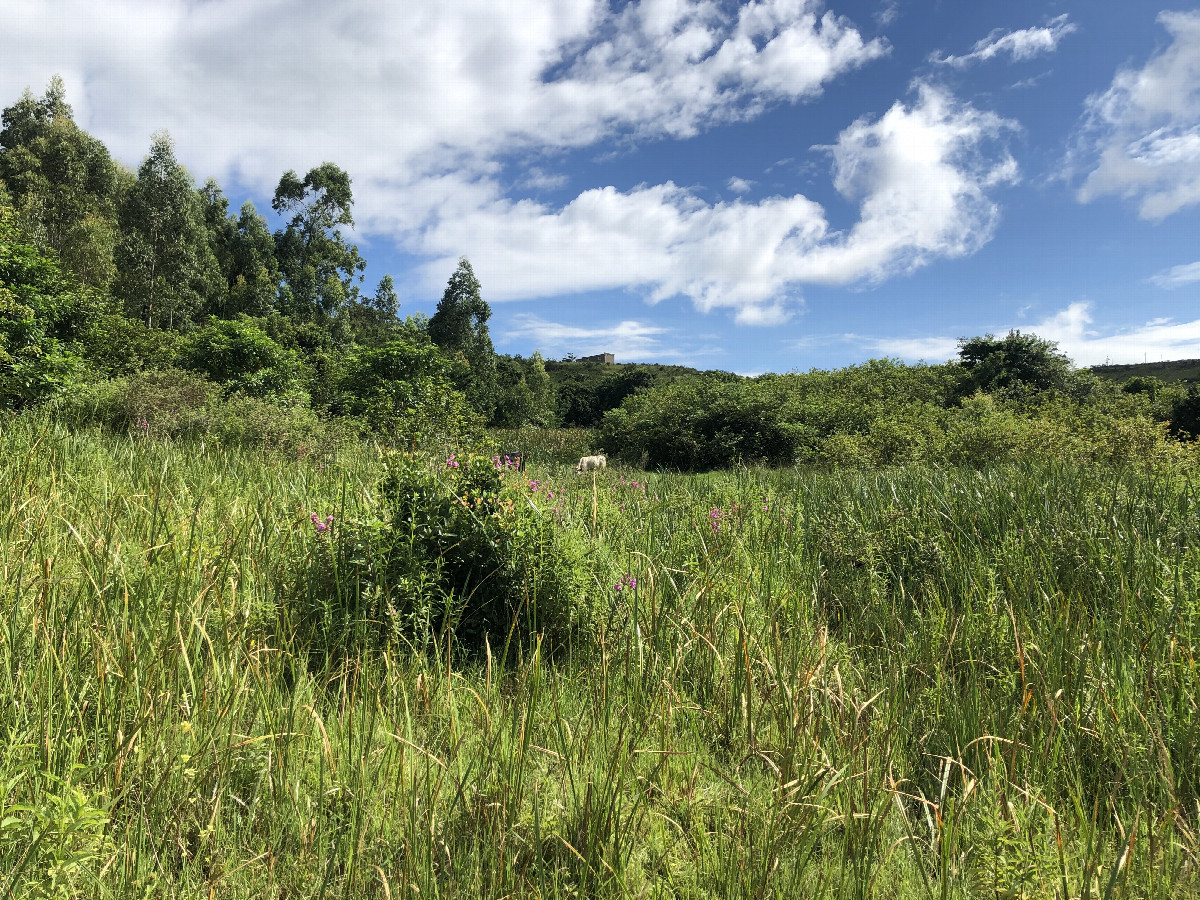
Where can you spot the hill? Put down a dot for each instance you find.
(1170, 371)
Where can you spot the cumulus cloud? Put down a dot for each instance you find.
(740, 185)
(1073, 329)
(1018, 45)
(1177, 276)
(397, 91)
(1141, 138)
(920, 175)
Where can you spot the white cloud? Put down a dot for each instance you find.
(887, 13)
(1018, 45)
(1177, 276)
(395, 92)
(1073, 329)
(920, 175)
(1141, 137)
(930, 349)
(740, 185)
(426, 103)
(537, 179)
(627, 340)
(1156, 339)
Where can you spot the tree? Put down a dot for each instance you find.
(220, 226)
(1185, 414)
(385, 302)
(1015, 361)
(524, 392)
(64, 185)
(253, 269)
(167, 269)
(459, 326)
(542, 390)
(320, 269)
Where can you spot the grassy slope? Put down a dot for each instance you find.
(1170, 371)
(903, 684)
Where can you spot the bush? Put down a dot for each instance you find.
(42, 311)
(699, 423)
(174, 403)
(1185, 414)
(170, 403)
(243, 358)
(458, 547)
(405, 393)
(1016, 360)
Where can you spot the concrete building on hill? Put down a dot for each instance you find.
(607, 358)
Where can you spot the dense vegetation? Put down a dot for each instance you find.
(283, 617)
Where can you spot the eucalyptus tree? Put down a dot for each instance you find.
(65, 187)
(254, 270)
(166, 268)
(385, 302)
(321, 271)
(245, 252)
(459, 326)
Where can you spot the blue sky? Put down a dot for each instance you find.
(761, 186)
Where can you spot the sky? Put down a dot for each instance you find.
(777, 185)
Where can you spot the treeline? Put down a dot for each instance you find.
(147, 279)
(1015, 396)
(140, 301)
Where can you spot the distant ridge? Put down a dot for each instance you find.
(1171, 370)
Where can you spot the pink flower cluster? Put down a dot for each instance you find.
(634, 484)
(536, 485)
(451, 462)
(714, 519)
(626, 581)
(506, 462)
(320, 526)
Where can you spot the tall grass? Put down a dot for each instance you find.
(907, 683)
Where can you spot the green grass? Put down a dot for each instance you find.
(909, 683)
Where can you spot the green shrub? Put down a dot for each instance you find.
(243, 358)
(168, 402)
(174, 403)
(115, 345)
(1185, 414)
(459, 546)
(700, 423)
(42, 311)
(1016, 360)
(405, 392)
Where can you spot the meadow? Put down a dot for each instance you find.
(898, 682)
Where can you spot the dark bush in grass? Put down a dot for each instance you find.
(459, 547)
(1185, 414)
